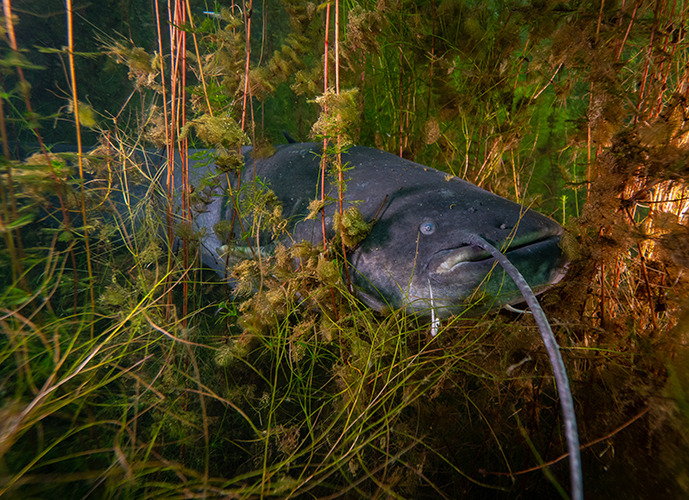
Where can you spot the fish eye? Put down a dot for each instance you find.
(427, 227)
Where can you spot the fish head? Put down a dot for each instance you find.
(418, 255)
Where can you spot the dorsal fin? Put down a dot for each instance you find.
(290, 139)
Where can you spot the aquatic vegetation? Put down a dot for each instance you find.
(127, 370)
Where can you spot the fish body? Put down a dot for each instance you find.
(417, 255)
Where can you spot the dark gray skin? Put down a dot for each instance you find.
(417, 255)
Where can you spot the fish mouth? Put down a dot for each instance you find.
(447, 262)
(469, 277)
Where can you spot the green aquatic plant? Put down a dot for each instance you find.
(171, 384)
(353, 229)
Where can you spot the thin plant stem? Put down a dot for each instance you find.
(198, 59)
(80, 159)
(325, 110)
(9, 211)
(340, 171)
(247, 23)
(168, 142)
(9, 26)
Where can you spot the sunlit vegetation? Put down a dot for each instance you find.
(129, 371)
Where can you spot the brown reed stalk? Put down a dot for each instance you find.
(170, 171)
(247, 23)
(9, 26)
(340, 168)
(198, 58)
(325, 110)
(179, 85)
(9, 212)
(80, 159)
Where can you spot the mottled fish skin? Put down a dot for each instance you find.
(417, 255)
